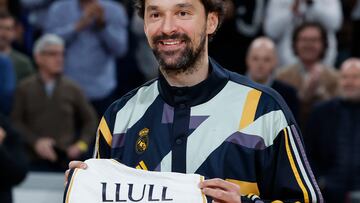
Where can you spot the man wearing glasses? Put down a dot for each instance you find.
(48, 107)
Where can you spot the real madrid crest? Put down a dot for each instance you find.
(142, 142)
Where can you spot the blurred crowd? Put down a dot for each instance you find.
(63, 62)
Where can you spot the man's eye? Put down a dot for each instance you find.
(183, 13)
(154, 15)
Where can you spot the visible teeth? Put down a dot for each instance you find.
(171, 43)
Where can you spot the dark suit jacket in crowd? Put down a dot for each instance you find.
(13, 161)
(289, 94)
(332, 138)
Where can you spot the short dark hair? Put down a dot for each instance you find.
(216, 6)
(6, 15)
(303, 26)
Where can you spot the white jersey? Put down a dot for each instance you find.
(106, 180)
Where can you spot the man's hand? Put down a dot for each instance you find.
(73, 165)
(2, 135)
(88, 17)
(44, 148)
(312, 82)
(221, 191)
(84, 22)
(99, 15)
(74, 152)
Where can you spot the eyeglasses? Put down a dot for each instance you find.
(52, 53)
(6, 28)
(309, 39)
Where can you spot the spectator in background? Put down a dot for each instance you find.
(284, 15)
(47, 108)
(13, 160)
(242, 24)
(333, 137)
(261, 63)
(313, 80)
(11, 6)
(22, 40)
(95, 33)
(22, 64)
(7, 84)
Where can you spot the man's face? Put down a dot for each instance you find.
(350, 81)
(7, 32)
(177, 32)
(309, 45)
(261, 62)
(51, 59)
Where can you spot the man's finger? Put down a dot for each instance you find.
(219, 183)
(49, 153)
(45, 153)
(67, 174)
(66, 177)
(73, 165)
(216, 193)
(77, 164)
(52, 154)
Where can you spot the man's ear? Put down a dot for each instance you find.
(145, 28)
(212, 22)
(37, 58)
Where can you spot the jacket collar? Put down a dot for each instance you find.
(197, 94)
(41, 81)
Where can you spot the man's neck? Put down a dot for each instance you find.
(264, 81)
(308, 65)
(260, 81)
(46, 77)
(189, 78)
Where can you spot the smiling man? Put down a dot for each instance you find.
(200, 118)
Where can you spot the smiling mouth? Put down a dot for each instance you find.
(170, 42)
(170, 45)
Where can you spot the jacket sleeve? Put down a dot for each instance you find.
(103, 140)
(105, 134)
(18, 115)
(109, 144)
(282, 170)
(286, 174)
(287, 177)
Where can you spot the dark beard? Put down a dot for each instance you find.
(186, 63)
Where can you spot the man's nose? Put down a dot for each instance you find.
(169, 26)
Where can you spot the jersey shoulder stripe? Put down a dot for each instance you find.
(270, 100)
